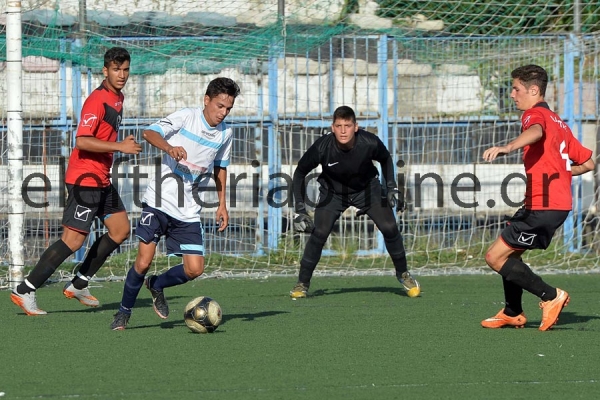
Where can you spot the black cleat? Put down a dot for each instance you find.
(159, 303)
(120, 321)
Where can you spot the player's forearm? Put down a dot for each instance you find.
(582, 168)
(95, 145)
(221, 185)
(156, 140)
(528, 137)
(298, 186)
(387, 170)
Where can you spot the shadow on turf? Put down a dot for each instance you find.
(377, 289)
(179, 322)
(567, 317)
(139, 303)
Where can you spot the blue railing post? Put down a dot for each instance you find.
(77, 105)
(382, 123)
(258, 152)
(274, 154)
(571, 52)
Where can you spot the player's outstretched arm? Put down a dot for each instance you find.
(156, 140)
(95, 145)
(527, 137)
(130, 146)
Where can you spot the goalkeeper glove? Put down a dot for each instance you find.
(302, 221)
(395, 199)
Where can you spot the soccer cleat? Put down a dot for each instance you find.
(500, 320)
(83, 295)
(120, 321)
(410, 284)
(159, 303)
(299, 291)
(552, 308)
(26, 302)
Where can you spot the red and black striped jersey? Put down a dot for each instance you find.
(100, 117)
(548, 161)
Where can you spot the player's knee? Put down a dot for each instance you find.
(492, 260)
(120, 235)
(318, 237)
(73, 243)
(389, 230)
(195, 272)
(142, 267)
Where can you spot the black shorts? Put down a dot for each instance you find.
(532, 229)
(369, 201)
(369, 197)
(84, 203)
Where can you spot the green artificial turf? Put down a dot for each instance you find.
(354, 338)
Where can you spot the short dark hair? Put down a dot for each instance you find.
(345, 113)
(532, 75)
(118, 55)
(222, 85)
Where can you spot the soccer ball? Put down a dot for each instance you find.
(202, 315)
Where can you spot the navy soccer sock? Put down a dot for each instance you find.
(173, 277)
(131, 289)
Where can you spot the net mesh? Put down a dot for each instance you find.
(445, 88)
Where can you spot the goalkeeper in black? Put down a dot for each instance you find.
(348, 178)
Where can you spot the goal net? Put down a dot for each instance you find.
(430, 78)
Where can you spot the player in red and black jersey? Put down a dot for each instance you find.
(90, 192)
(348, 178)
(552, 156)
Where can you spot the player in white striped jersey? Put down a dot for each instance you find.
(196, 143)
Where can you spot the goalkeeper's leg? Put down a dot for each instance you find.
(384, 218)
(325, 217)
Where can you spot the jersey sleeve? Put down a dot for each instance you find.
(171, 124)
(577, 152)
(309, 161)
(92, 114)
(224, 153)
(384, 158)
(531, 117)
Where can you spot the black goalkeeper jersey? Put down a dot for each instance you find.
(345, 171)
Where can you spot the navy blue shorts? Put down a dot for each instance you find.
(532, 229)
(180, 237)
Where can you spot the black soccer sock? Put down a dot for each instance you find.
(311, 257)
(94, 259)
(395, 248)
(45, 267)
(306, 272)
(512, 298)
(519, 273)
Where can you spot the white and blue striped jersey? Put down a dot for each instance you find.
(179, 190)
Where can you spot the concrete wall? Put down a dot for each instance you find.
(303, 87)
(256, 12)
